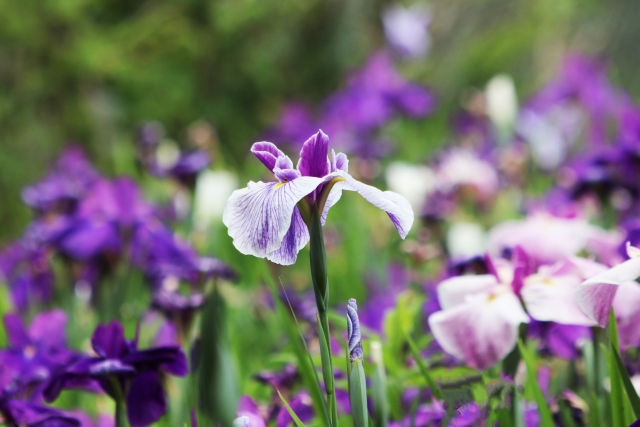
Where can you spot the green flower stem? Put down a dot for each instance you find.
(318, 263)
(121, 414)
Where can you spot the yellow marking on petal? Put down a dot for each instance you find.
(278, 185)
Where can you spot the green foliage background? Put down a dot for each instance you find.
(89, 71)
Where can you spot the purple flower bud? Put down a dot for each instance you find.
(353, 331)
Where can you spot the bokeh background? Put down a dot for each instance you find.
(90, 72)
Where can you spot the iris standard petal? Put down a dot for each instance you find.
(595, 295)
(259, 216)
(108, 340)
(454, 291)
(313, 156)
(146, 401)
(396, 206)
(482, 331)
(267, 153)
(552, 299)
(16, 333)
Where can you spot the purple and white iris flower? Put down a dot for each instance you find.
(264, 218)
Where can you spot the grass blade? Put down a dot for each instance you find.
(423, 369)
(620, 369)
(546, 420)
(290, 411)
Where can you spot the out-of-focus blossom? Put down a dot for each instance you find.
(597, 294)
(36, 353)
(301, 405)
(559, 340)
(66, 183)
(407, 29)
(248, 414)
(546, 238)
(281, 380)
(465, 240)
(479, 319)
(502, 103)
(119, 363)
(295, 124)
(213, 188)
(25, 267)
(263, 219)
(414, 182)
(382, 297)
(462, 168)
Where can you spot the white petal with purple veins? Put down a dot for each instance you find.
(595, 296)
(552, 299)
(259, 216)
(482, 331)
(627, 308)
(454, 291)
(296, 238)
(397, 207)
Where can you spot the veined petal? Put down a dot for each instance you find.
(259, 216)
(396, 206)
(313, 156)
(595, 295)
(296, 238)
(482, 331)
(454, 291)
(552, 299)
(267, 153)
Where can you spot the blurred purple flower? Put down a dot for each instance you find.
(248, 414)
(67, 182)
(263, 219)
(25, 267)
(301, 405)
(283, 379)
(559, 340)
(119, 363)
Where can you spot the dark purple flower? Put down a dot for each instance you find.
(295, 124)
(37, 353)
(248, 414)
(283, 379)
(25, 267)
(119, 363)
(186, 168)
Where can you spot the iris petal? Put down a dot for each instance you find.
(258, 217)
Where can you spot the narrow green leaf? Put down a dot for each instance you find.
(546, 420)
(290, 411)
(325, 357)
(305, 364)
(318, 389)
(423, 369)
(358, 395)
(620, 369)
(379, 386)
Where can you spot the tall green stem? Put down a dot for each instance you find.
(318, 262)
(121, 414)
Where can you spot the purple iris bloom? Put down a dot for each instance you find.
(186, 168)
(25, 267)
(36, 353)
(119, 363)
(353, 331)
(281, 380)
(294, 124)
(66, 183)
(264, 220)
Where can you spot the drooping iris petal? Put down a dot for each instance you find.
(453, 291)
(338, 162)
(626, 304)
(146, 401)
(259, 216)
(482, 331)
(313, 156)
(397, 207)
(296, 238)
(595, 296)
(108, 340)
(552, 299)
(267, 153)
(171, 358)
